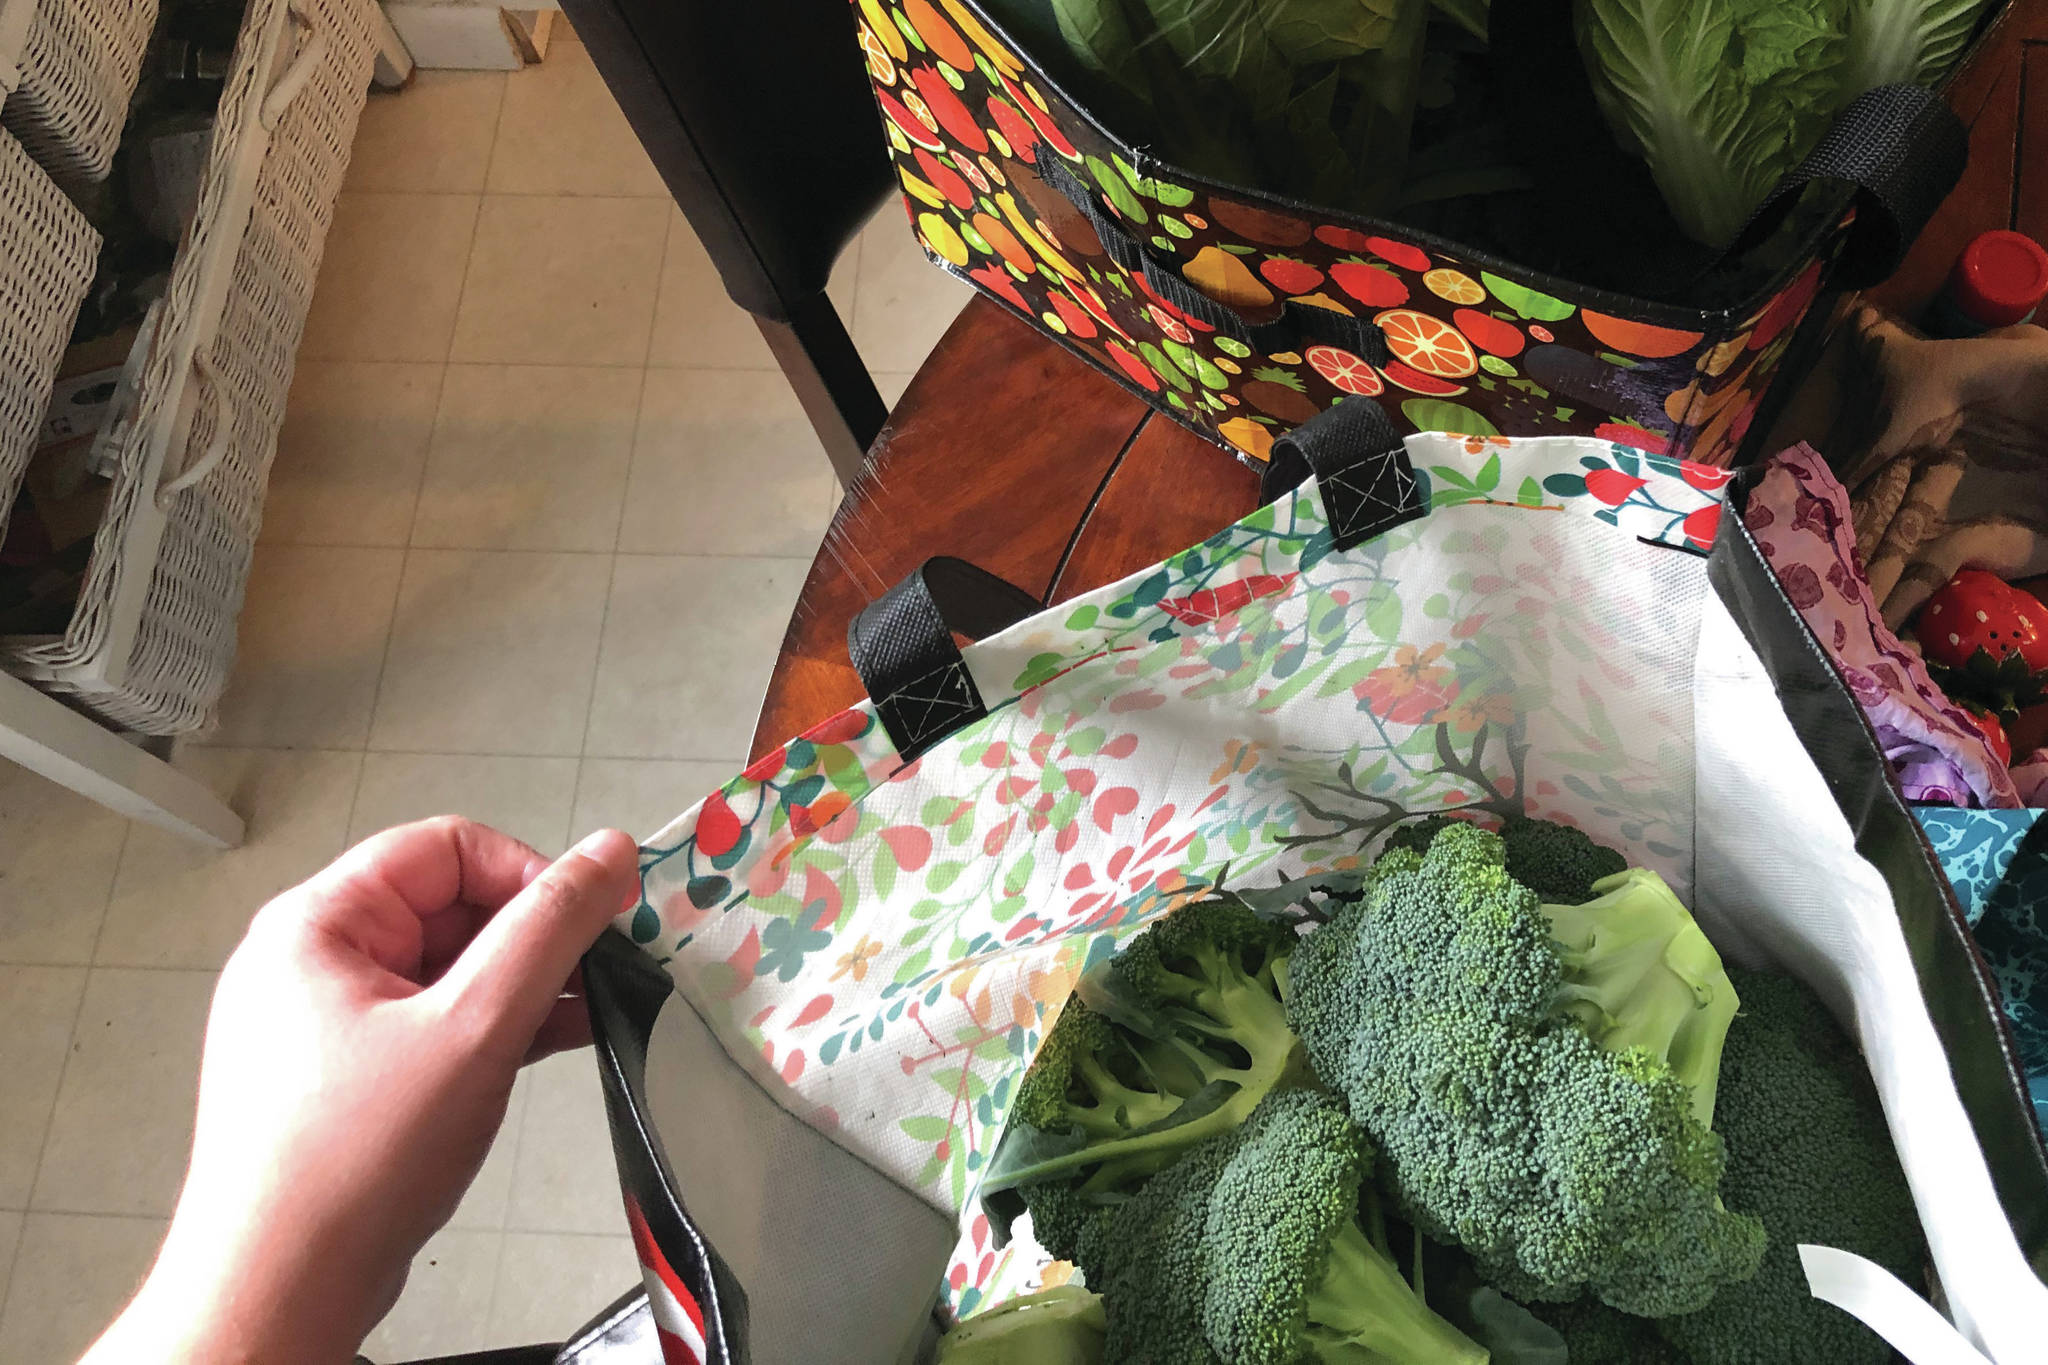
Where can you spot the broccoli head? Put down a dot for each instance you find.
(1249, 1250)
(1437, 1008)
(1559, 863)
(1809, 1155)
(1174, 1040)
(1060, 1326)
(1640, 973)
(1595, 1334)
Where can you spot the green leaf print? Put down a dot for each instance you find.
(1383, 612)
(924, 1127)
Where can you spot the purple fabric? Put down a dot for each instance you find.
(1799, 514)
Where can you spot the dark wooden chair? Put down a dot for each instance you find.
(757, 114)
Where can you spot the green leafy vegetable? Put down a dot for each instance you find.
(1905, 40)
(1719, 97)
(1722, 97)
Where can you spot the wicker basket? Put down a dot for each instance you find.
(47, 252)
(68, 69)
(151, 642)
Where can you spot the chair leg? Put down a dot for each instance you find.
(831, 381)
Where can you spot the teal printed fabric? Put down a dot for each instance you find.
(1998, 862)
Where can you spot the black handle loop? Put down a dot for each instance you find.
(1295, 326)
(902, 646)
(1900, 147)
(1361, 465)
(1903, 149)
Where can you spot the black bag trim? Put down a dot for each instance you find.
(1835, 733)
(1361, 465)
(902, 646)
(1294, 327)
(626, 989)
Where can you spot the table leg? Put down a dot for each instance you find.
(45, 736)
(394, 60)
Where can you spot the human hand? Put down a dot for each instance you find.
(359, 1057)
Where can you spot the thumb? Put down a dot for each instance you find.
(512, 973)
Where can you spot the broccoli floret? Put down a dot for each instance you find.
(1595, 1334)
(1436, 1008)
(1639, 972)
(1061, 1326)
(1808, 1153)
(1249, 1250)
(1174, 1040)
(1559, 863)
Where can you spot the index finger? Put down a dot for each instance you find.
(430, 865)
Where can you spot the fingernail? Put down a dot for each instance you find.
(599, 843)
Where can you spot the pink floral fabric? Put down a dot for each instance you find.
(1799, 514)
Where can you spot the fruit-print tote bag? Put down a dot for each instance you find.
(1240, 314)
(812, 1024)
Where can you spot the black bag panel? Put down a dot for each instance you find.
(1956, 984)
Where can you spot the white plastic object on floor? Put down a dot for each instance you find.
(68, 69)
(151, 642)
(47, 251)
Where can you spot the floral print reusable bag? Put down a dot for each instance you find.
(867, 951)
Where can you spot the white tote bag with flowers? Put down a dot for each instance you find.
(842, 962)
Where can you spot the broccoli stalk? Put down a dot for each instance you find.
(1249, 1249)
(1174, 1040)
(1437, 1007)
(1363, 1304)
(1640, 973)
(1059, 1326)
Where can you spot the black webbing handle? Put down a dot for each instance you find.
(1900, 147)
(1361, 465)
(1903, 149)
(1296, 325)
(902, 646)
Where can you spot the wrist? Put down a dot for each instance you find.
(208, 1304)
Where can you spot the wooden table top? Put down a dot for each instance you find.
(1010, 453)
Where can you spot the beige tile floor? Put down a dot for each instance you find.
(540, 511)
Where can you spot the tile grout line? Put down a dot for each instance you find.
(10, 1260)
(805, 560)
(93, 1213)
(99, 932)
(623, 1234)
(604, 616)
(497, 129)
(664, 196)
(420, 483)
(363, 751)
(50, 1117)
(416, 753)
